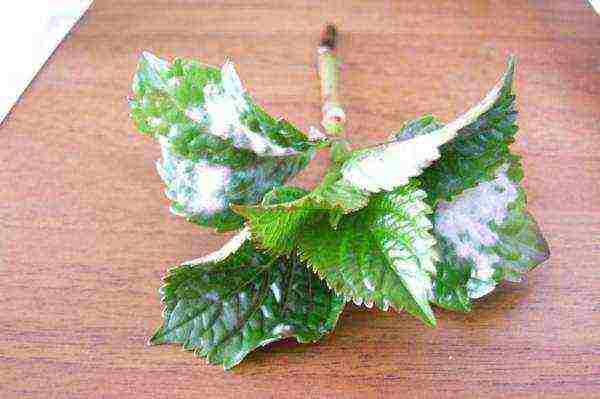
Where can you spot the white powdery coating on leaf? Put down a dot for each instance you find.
(465, 222)
(315, 134)
(210, 183)
(386, 305)
(154, 121)
(197, 114)
(178, 212)
(276, 290)
(222, 110)
(230, 80)
(226, 250)
(196, 185)
(415, 280)
(357, 301)
(392, 165)
(154, 69)
(478, 288)
(154, 62)
(174, 82)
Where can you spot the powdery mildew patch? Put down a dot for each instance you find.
(466, 223)
(391, 165)
(222, 110)
(199, 187)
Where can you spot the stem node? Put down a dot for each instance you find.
(334, 117)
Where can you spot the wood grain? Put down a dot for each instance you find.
(85, 234)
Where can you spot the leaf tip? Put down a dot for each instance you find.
(146, 54)
(151, 59)
(431, 322)
(427, 316)
(157, 338)
(512, 61)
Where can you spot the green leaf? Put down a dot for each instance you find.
(382, 254)
(479, 149)
(203, 192)
(225, 305)
(382, 168)
(488, 235)
(450, 285)
(484, 231)
(277, 223)
(218, 146)
(390, 165)
(211, 109)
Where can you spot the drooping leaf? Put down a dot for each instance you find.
(225, 305)
(392, 164)
(218, 146)
(382, 254)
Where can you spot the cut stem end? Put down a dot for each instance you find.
(329, 37)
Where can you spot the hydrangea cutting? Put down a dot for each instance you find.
(434, 215)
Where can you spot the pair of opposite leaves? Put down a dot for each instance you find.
(434, 215)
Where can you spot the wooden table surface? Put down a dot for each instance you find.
(85, 234)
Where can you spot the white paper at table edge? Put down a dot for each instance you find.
(41, 35)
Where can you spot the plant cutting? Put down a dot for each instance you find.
(433, 215)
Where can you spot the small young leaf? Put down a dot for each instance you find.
(225, 305)
(278, 222)
(218, 146)
(383, 254)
